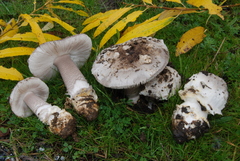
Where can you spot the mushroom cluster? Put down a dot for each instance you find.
(205, 93)
(29, 96)
(132, 64)
(66, 56)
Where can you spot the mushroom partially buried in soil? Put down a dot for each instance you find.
(29, 96)
(164, 85)
(204, 94)
(66, 56)
(131, 64)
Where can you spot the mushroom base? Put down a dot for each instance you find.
(84, 104)
(195, 129)
(62, 124)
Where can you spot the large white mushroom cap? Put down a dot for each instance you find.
(164, 85)
(132, 63)
(41, 61)
(209, 90)
(34, 85)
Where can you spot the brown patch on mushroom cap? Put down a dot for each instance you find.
(131, 63)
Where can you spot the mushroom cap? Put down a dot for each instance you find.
(208, 89)
(41, 61)
(164, 85)
(16, 100)
(131, 63)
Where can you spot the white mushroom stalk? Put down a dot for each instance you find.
(29, 96)
(66, 56)
(131, 64)
(204, 94)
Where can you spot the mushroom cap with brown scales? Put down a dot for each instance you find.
(41, 61)
(131, 63)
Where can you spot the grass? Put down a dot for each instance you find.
(120, 133)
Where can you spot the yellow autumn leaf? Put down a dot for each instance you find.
(171, 13)
(177, 1)
(212, 8)
(29, 36)
(10, 29)
(60, 22)
(79, 12)
(120, 26)
(145, 22)
(146, 29)
(112, 18)
(16, 51)
(35, 28)
(72, 2)
(48, 26)
(10, 74)
(147, 1)
(190, 39)
(91, 26)
(3, 23)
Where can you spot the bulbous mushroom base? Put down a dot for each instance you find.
(183, 131)
(62, 123)
(85, 104)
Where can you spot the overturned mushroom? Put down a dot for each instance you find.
(164, 85)
(29, 96)
(130, 64)
(66, 56)
(204, 94)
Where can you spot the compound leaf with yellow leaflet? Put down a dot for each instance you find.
(10, 74)
(79, 12)
(120, 26)
(16, 51)
(189, 39)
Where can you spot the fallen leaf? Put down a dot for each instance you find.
(16, 51)
(190, 39)
(10, 74)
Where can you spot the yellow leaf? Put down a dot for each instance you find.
(10, 74)
(147, 1)
(115, 16)
(190, 39)
(146, 29)
(3, 23)
(79, 12)
(145, 22)
(29, 36)
(212, 8)
(98, 16)
(171, 13)
(10, 29)
(16, 51)
(60, 22)
(35, 28)
(119, 26)
(177, 1)
(91, 26)
(72, 2)
(48, 26)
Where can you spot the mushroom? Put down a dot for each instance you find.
(29, 96)
(130, 64)
(66, 56)
(164, 85)
(204, 94)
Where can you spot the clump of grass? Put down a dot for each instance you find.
(123, 134)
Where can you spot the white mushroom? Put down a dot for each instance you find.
(204, 94)
(29, 96)
(130, 64)
(164, 85)
(66, 56)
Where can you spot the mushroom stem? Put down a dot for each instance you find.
(133, 93)
(82, 96)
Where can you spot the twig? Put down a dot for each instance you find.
(216, 54)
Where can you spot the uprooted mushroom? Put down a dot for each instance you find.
(66, 56)
(204, 94)
(29, 96)
(131, 64)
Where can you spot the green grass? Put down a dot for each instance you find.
(120, 133)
